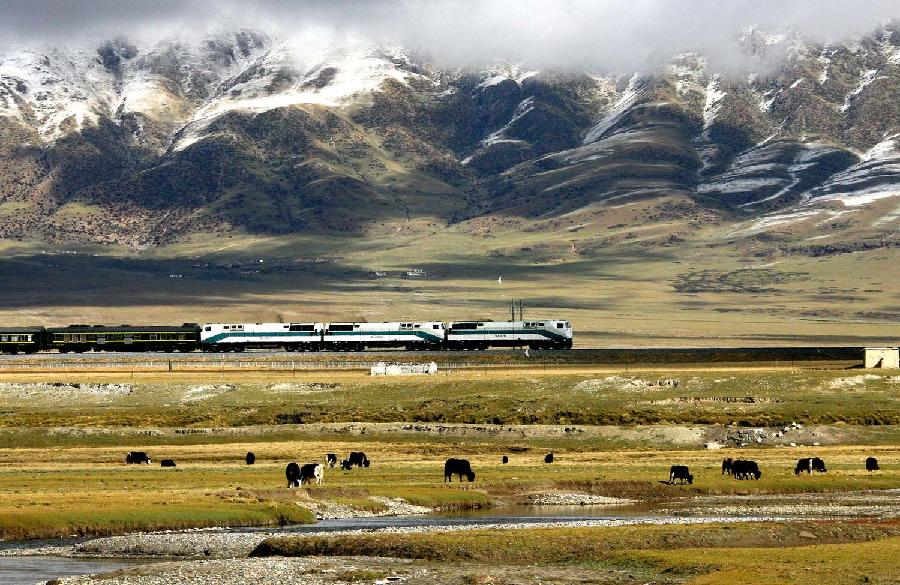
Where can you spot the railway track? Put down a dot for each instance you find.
(287, 361)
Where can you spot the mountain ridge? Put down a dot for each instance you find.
(246, 132)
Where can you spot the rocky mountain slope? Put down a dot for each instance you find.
(243, 132)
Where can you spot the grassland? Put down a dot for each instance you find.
(89, 490)
(614, 433)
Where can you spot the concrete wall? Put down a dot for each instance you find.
(882, 357)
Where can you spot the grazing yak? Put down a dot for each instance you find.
(741, 469)
(726, 465)
(681, 473)
(296, 474)
(312, 472)
(331, 459)
(809, 464)
(358, 458)
(459, 467)
(137, 457)
(250, 458)
(167, 463)
(292, 472)
(505, 460)
(548, 458)
(872, 464)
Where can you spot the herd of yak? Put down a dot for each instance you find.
(314, 472)
(745, 469)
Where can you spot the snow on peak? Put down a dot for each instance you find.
(501, 73)
(65, 89)
(687, 70)
(290, 75)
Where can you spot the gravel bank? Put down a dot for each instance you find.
(881, 504)
(273, 571)
(208, 544)
(568, 499)
(324, 510)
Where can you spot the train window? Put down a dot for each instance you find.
(335, 327)
(435, 326)
(356, 326)
(207, 328)
(307, 328)
(462, 326)
(559, 325)
(226, 327)
(240, 326)
(417, 326)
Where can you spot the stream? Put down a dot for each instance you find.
(29, 570)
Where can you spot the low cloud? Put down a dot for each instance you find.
(604, 35)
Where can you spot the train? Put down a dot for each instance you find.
(555, 334)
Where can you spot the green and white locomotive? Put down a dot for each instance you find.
(241, 336)
(537, 334)
(423, 335)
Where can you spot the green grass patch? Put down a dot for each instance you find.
(134, 515)
(816, 553)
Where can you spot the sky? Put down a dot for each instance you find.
(597, 34)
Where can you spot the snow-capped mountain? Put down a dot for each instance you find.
(117, 142)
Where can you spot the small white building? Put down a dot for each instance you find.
(883, 357)
(385, 369)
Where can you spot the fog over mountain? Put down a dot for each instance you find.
(609, 35)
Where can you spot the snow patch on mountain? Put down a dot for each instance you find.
(875, 176)
(612, 116)
(824, 61)
(867, 78)
(770, 221)
(714, 97)
(524, 107)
